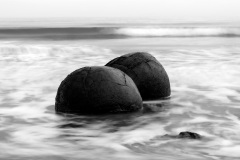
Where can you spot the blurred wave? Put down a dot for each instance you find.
(180, 32)
(116, 32)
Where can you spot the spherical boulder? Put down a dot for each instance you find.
(147, 73)
(97, 90)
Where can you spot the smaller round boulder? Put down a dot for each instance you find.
(147, 73)
(97, 90)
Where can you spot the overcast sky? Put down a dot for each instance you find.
(165, 9)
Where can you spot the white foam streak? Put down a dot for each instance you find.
(144, 134)
(178, 32)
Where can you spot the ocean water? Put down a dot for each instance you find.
(201, 59)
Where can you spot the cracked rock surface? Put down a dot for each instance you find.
(97, 90)
(147, 73)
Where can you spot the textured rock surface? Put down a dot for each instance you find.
(96, 90)
(148, 74)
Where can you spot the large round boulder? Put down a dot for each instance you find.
(97, 90)
(147, 73)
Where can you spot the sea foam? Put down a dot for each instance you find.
(179, 32)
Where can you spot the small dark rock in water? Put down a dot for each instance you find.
(148, 74)
(190, 135)
(97, 90)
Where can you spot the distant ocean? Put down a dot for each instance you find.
(202, 61)
(113, 31)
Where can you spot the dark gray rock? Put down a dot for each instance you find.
(97, 90)
(185, 135)
(148, 74)
(190, 135)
